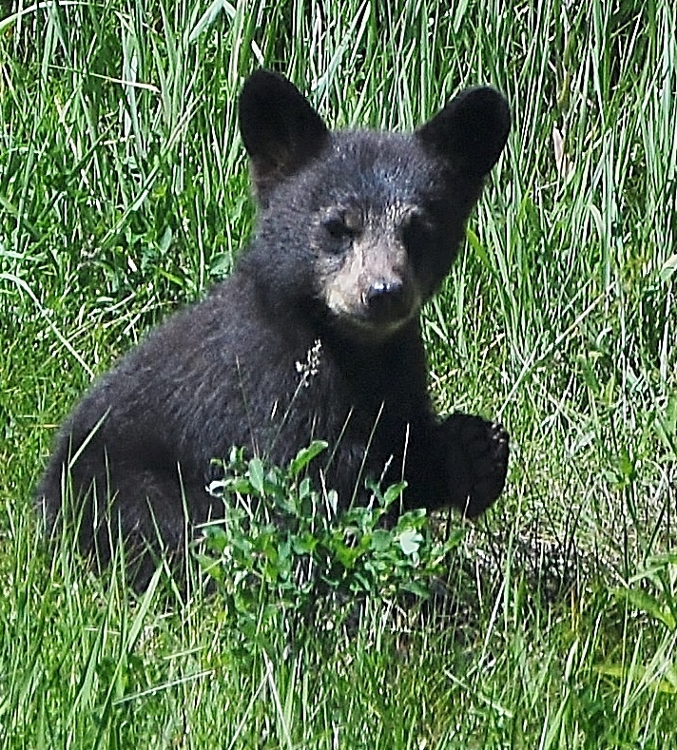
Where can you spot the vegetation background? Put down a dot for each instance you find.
(124, 194)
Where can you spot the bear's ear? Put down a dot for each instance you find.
(280, 130)
(470, 132)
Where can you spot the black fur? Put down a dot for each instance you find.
(356, 230)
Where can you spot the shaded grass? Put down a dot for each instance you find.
(123, 194)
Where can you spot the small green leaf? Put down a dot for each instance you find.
(347, 555)
(212, 567)
(454, 538)
(304, 544)
(216, 538)
(256, 475)
(410, 541)
(393, 493)
(239, 485)
(305, 456)
(166, 240)
(381, 540)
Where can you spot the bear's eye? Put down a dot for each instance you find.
(417, 231)
(337, 229)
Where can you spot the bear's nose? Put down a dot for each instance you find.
(385, 299)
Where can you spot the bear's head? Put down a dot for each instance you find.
(364, 225)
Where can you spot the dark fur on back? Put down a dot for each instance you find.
(356, 230)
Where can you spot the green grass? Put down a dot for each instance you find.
(123, 194)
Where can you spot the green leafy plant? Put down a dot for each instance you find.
(284, 547)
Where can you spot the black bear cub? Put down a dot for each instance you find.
(316, 335)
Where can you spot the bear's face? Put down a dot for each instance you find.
(375, 218)
(364, 260)
(379, 211)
